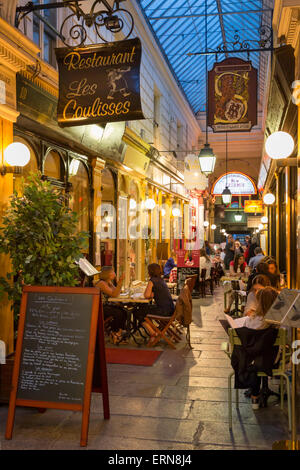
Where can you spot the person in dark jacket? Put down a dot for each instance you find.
(252, 247)
(170, 264)
(229, 252)
(257, 352)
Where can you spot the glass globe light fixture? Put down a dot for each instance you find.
(260, 226)
(213, 227)
(163, 212)
(269, 199)
(264, 220)
(205, 223)
(176, 212)
(150, 204)
(279, 145)
(16, 154)
(132, 204)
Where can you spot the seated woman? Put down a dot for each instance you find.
(256, 321)
(117, 312)
(238, 265)
(170, 264)
(156, 289)
(259, 282)
(204, 263)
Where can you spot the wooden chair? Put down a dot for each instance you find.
(166, 327)
(280, 371)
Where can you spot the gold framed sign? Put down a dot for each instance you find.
(232, 96)
(99, 83)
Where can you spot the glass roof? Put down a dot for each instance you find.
(179, 27)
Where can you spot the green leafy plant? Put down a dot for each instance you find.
(39, 232)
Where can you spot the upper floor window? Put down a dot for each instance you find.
(43, 34)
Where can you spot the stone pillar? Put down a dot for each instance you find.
(6, 190)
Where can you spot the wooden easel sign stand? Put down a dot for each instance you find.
(60, 353)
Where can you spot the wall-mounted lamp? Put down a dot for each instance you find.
(150, 204)
(264, 219)
(205, 223)
(176, 212)
(16, 155)
(269, 199)
(213, 227)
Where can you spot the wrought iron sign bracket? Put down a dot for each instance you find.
(73, 31)
(263, 44)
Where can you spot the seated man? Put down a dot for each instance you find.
(257, 258)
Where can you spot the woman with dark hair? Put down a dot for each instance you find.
(207, 247)
(238, 265)
(204, 263)
(273, 272)
(158, 290)
(261, 268)
(106, 285)
(259, 282)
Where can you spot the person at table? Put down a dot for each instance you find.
(257, 258)
(237, 266)
(247, 243)
(229, 251)
(238, 248)
(252, 247)
(158, 290)
(259, 282)
(204, 263)
(276, 280)
(170, 264)
(107, 286)
(207, 248)
(256, 321)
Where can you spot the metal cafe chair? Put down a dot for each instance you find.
(280, 370)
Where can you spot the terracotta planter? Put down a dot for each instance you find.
(6, 371)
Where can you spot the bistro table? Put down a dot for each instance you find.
(129, 301)
(240, 296)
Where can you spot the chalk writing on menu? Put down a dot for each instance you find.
(184, 273)
(55, 347)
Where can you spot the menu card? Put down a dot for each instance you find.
(286, 309)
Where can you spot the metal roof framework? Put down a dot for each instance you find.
(179, 28)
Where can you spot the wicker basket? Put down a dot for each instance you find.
(6, 371)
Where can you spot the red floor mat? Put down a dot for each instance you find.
(135, 357)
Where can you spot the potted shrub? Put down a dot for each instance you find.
(39, 232)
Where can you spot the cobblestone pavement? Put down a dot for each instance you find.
(178, 403)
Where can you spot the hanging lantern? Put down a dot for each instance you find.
(226, 196)
(238, 217)
(207, 160)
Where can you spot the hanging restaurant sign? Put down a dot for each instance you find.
(253, 206)
(99, 83)
(238, 183)
(232, 96)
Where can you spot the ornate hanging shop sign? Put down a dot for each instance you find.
(99, 83)
(232, 93)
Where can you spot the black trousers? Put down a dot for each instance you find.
(256, 388)
(119, 315)
(149, 309)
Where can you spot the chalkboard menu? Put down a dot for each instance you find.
(184, 273)
(55, 347)
(60, 328)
